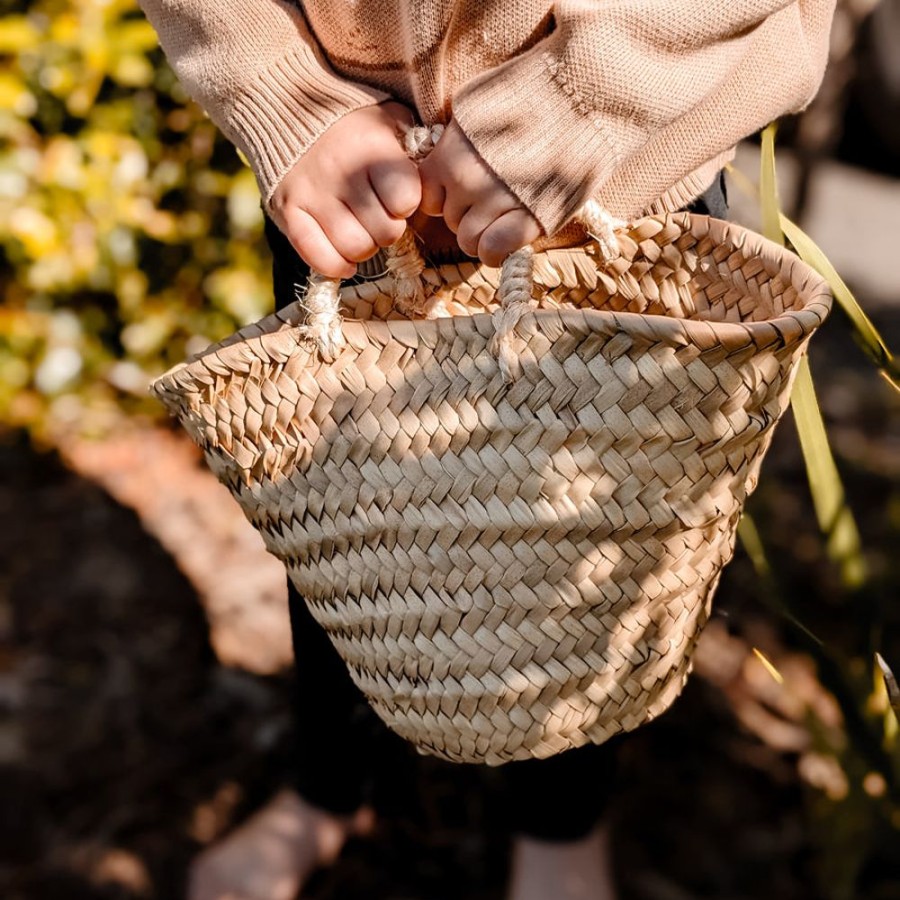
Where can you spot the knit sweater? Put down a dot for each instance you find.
(634, 102)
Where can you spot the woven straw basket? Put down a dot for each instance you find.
(513, 563)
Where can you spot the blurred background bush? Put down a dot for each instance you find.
(143, 695)
(130, 231)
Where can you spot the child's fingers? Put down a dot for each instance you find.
(345, 232)
(434, 195)
(383, 228)
(316, 250)
(480, 217)
(397, 185)
(511, 231)
(456, 207)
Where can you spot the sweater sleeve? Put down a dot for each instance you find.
(625, 97)
(258, 71)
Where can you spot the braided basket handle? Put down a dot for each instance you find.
(405, 264)
(516, 283)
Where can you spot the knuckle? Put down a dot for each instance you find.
(433, 200)
(287, 197)
(466, 247)
(317, 253)
(331, 264)
(319, 261)
(427, 169)
(299, 242)
(409, 195)
(453, 215)
(278, 201)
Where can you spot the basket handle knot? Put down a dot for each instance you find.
(405, 264)
(602, 227)
(323, 323)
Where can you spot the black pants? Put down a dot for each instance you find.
(344, 748)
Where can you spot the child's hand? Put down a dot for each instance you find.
(487, 218)
(350, 193)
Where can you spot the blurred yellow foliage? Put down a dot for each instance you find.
(129, 228)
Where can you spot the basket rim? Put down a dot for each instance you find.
(240, 349)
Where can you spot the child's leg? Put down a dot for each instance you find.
(337, 731)
(271, 855)
(573, 870)
(333, 722)
(555, 808)
(561, 798)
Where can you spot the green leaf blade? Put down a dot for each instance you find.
(869, 338)
(834, 516)
(829, 499)
(770, 205)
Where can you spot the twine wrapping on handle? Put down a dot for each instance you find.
(403, 259)
(405, 264)
(515, 292)
(323, 323)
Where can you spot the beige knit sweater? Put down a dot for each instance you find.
(634, 102)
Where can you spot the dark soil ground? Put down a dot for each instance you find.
(126, 746)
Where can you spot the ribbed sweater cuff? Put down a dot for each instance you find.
(276, 118)
(685, 191)
(525, 126)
